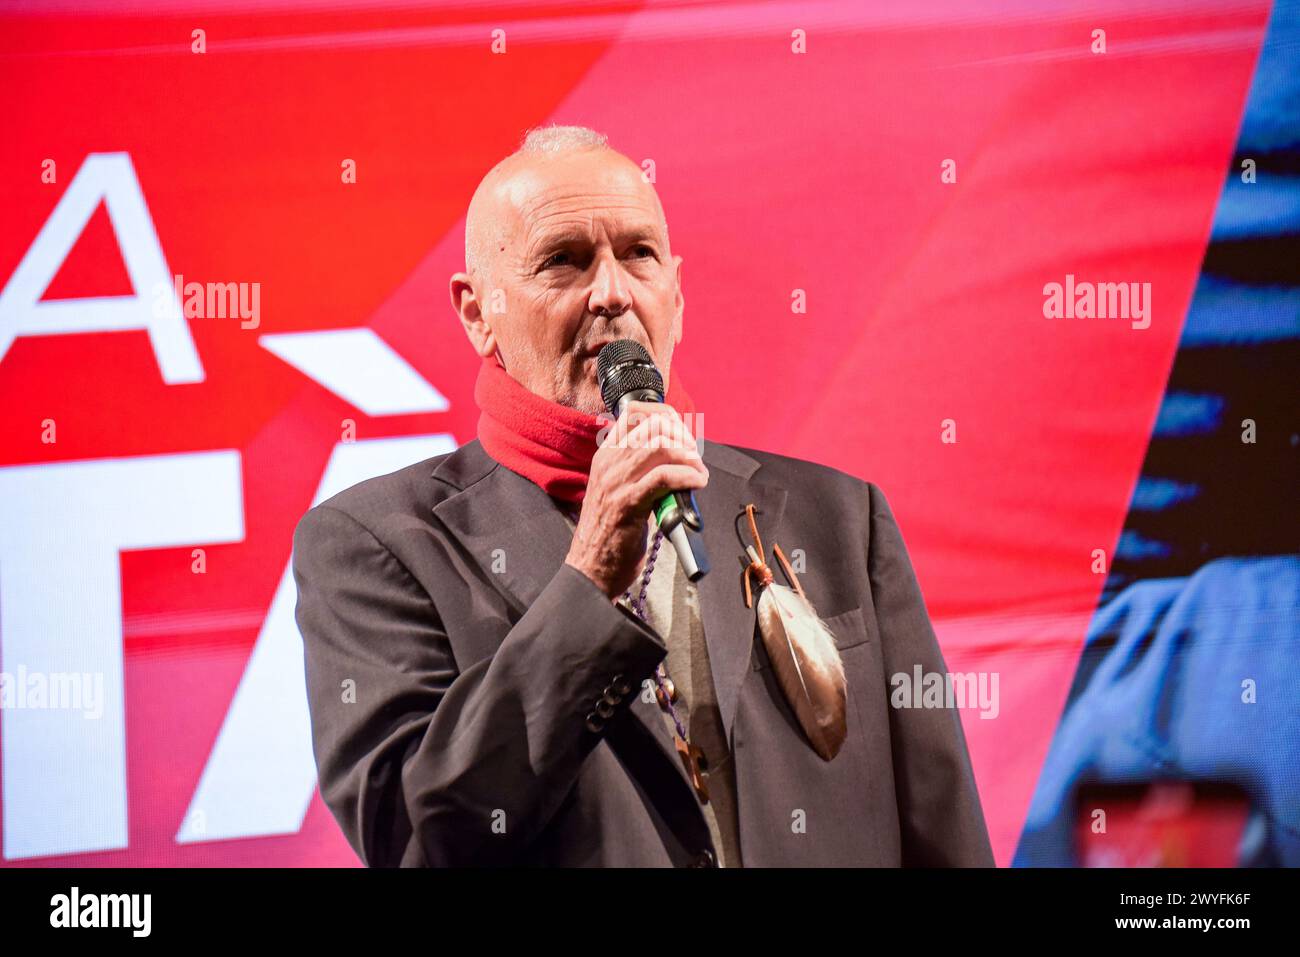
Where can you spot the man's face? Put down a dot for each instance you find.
(573, 254)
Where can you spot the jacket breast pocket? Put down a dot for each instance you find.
(848, 627)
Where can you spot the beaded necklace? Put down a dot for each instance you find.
(692, 755)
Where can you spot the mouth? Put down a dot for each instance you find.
(593, 350)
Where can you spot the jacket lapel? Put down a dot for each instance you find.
(728, 624)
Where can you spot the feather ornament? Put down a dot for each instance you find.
(804, 654)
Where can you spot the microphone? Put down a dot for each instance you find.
(627, 374)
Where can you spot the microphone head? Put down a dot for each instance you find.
(624, 366)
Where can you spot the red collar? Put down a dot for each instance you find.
(550, 444)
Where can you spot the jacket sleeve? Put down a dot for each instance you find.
(939, 813)
(422, 764)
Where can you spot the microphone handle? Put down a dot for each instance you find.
(676, 513)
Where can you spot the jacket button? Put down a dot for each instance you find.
(603, 708)
(594, 724)
(705, 859)
(612, 697)
(621, 685)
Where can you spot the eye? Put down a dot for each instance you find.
(561, 258)
(642, 251)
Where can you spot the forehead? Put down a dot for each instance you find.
(578, 191)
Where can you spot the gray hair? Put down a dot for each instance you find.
(560, 139)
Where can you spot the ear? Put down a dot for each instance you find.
(465, 300)
(679, 302)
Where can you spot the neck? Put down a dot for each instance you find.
(548, 443)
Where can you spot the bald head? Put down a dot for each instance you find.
(506, 185)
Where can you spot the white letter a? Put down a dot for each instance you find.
(110, 177)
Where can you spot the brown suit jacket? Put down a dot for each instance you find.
(453, 659)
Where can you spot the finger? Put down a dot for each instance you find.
(636, 412)
(615, 431)
(658, 428)
(661, 450)
(668, 478)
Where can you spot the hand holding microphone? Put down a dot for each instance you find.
(648, 462)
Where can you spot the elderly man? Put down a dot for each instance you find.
(505, 667)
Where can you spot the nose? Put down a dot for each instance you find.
(610, 295)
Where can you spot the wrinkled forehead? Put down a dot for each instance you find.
(575, 193)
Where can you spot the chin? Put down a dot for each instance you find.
(584, 398)
(587, 393)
